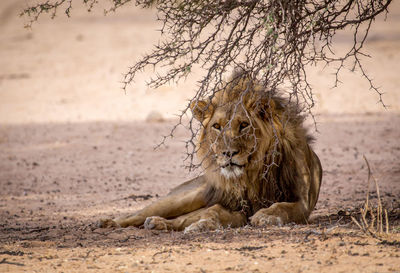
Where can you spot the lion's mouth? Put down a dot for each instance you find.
(232, 164)
(232, 170)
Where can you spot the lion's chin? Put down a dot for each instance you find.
(232, 172)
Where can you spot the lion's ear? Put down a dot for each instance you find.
(200, 109)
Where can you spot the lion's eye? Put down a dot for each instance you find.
(243, 125)
(216, 126)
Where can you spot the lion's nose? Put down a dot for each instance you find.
(230, 154)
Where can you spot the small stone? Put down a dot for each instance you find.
(154, 116)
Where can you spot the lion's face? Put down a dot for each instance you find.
(237, 129)
(229, 139)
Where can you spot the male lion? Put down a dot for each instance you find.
(258, 166)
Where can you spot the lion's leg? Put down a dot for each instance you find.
(185, 198)
(281, 213)
(179, 223)
(203, 219)
(287, 212)
(216, 217)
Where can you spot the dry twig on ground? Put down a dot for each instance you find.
(378, 216)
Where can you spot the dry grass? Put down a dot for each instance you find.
(378, 216)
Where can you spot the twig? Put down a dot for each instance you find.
(4, 261)
(367, 226)
(387, 221)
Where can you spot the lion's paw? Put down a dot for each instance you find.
(266, 220)
(107, 223)
(156, 222)
(202, 225)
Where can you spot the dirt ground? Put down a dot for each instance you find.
(74, 148)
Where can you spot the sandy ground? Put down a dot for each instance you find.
(75, 148)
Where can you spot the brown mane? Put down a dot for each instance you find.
(281, 148)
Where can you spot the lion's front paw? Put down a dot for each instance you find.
(202, 225)
(261, 220)
(158, 223)
(107, 223)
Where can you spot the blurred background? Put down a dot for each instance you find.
(70, 69)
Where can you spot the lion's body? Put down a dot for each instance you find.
(257, 162)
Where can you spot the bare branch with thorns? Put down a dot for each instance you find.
(272, 41)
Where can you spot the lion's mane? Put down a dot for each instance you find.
(277, 161)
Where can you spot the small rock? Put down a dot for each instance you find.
(154, 116)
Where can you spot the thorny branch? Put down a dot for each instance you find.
(273, 41)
